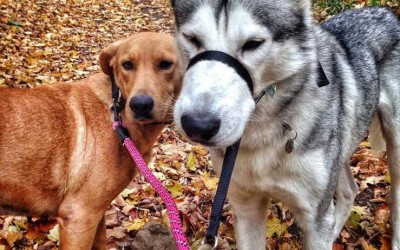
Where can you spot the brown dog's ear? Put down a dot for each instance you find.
(106, 56)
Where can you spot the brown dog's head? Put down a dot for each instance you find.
(146, 69)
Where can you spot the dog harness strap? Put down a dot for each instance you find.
(213, 55)
(173, 212)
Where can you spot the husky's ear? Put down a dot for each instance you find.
(106, 57)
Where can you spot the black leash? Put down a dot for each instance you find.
(231, 152)
(211, 238)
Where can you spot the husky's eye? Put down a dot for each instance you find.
(128, 65)
(252, 45)
(193, 40)
(164, 65)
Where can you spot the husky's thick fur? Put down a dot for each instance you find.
(279, 44)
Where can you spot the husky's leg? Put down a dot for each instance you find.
(389, 107)
(346, 192)
(391, 131)
(317, 228)
(250, 221)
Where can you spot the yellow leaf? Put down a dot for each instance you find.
(126, 192)
(177, 164)
(200, 150)
(387, 177)
(365, 245)
(198, 186)
(160, 176)
(54, 234)
(13, 229)
(12, 237)
(174, 187)
(210, 182)
(21, 224)
(275, 226)
(49, 36)
(356, 214)
(191, 162)
(136, 224)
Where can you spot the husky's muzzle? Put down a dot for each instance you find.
(202, 130)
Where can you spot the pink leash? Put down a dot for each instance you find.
(173, 212)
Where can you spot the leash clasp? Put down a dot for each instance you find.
(119, 127)
(209, 243)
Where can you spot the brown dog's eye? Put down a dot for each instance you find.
(127, 65)
(164, 65)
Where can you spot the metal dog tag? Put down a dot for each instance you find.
(290, 135)
(289, 146)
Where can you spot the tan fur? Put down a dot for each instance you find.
(58, 153)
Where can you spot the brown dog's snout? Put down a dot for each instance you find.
(142, 106)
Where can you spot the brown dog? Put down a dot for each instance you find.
(58, 153)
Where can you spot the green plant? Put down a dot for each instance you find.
(334, 6)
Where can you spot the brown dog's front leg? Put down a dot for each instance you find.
(99, 242)
(78, 225)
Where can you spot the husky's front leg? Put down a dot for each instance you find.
(250, 221)
(346, 191)
(318, 229)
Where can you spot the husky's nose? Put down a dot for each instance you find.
(200, 130)
(142, 105)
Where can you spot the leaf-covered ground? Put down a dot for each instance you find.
(46, 41)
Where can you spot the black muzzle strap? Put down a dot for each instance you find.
(219, 56)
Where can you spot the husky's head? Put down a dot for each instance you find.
(270, 38)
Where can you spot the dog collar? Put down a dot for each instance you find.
(118, 100)
(323, 79)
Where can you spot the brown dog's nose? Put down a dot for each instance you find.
(142, 105)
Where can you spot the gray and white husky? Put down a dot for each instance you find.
(281, 47)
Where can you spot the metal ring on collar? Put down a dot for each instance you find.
(286, 129)
(214, 55)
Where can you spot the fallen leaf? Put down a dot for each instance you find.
(275, 227)
(191, 162)
(174, 187)
(54, 234)
(211, 183)
(136, 224)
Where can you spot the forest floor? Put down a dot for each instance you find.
(46, 41)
